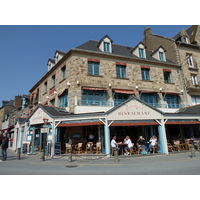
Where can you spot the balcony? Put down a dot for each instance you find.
(193, 86)
(168, 106)
(94, 103)
(90, 106)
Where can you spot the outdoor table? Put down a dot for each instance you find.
(121, 146)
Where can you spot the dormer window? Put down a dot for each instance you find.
(139, 50)
(159, 54)
(106, 47)
(141, 53)
(105, 44)
(58, 55)
(185, 39)
(50, 64)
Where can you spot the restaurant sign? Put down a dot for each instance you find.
(134, 110)
(38, 116)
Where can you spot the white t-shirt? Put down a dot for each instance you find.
(130, 144)
(113, 143)
(153, 141)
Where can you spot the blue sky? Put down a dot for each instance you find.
(25, 49)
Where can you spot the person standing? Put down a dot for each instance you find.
(4, 146)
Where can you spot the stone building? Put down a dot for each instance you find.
(96, 77)
(183, 49)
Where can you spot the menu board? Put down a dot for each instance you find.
(24, 148)
(57, 148)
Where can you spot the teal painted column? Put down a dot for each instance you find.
(107, 138)
(160, 143)
(162, 138)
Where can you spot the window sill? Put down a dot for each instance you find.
(122, 78)
(62, 80)
(193, 68)
(147, 80)
(169, 83)
(94, 75)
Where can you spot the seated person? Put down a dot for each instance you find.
(142, 143)
(153, 142)
(127, 140)
(114, 144)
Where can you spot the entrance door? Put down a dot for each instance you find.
(43, 140)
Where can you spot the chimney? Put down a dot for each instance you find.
(147, 31)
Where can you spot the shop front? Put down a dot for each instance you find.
(39, 132)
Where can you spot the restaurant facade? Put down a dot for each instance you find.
(49, 127)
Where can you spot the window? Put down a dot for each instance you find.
(106, 47)
(121, 71)
(93, 97)
(195, 100)
(93, 68)
(45, 87)
(63, 99)
(141, 53)
(145, 74)
(190, 61)
(119, 98)
(185, 39)
(194, 79)
(150, 98)
(53, 79)
(63, 70)
(167, 76)
(172, 100)
(52, 102)
(161, 56)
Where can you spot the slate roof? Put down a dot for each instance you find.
(21, 120)
(54, 111)
(119, 50)
(190, 110)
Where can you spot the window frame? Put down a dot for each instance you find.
(141, 52)
(194, 79)
(63, 100)
(106, 47)
(190, 61)
(53, 80)
(63, 70)
(45, 87)
(121, 71)
(145, 76)
(167, 79)
(161, 56)
(95, 68)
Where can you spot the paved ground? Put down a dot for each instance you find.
(173, 164)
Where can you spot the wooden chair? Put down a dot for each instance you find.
(87, 148)
(78, 148)
(131, 150)
(170, 148)
(97, 147)
(139, 149)
(177, 145)
(155, 148)
(187, 144)
(68, 148)
(111, 151)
